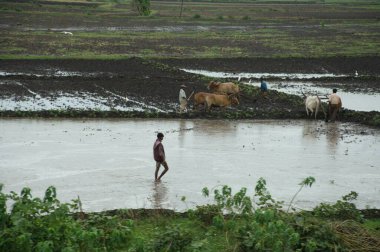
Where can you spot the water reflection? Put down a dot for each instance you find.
(181, 132)
(214, 127)
(159, 196)
(332, 135)
(311, 130)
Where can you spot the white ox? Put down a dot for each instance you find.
(312, 105)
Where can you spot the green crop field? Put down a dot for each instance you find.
(205, 29)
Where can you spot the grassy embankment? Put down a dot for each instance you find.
(234, 222)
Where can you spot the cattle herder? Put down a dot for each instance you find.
(183, 99)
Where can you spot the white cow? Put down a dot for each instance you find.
(312, 105)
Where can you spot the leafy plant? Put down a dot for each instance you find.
(173, 238)
(36, 224)
(309, 181)
(265, 199)
(342, 210)
(267, 231)
(207, 213)
(142, 7)
(315, 234)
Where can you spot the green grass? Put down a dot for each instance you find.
(268, 30)
(373, 225)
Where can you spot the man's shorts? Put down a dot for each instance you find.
(160, 163)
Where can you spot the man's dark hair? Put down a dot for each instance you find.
(335, 90)
(160, 135)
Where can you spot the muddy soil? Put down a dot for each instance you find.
(157, 84)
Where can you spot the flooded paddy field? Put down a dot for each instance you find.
(357, 97)
(143, 85)
(109, 163)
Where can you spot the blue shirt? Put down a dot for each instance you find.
(263, 86)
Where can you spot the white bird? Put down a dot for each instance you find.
(356, 73)
(239, 78)
(67, 33)
(126, 99)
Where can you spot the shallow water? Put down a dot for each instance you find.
(109, 164)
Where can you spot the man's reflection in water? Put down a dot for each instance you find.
(333, 135)
(159, 196)
(310, 130)
(181, 133)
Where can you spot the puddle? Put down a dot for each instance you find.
(298, 76)
(164, 28)
(84, 101)
(109, 164)
(176, 28)
(55, 73)
(75, 100)
(293, 84)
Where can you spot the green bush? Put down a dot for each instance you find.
(267, 231)
(35, 224)
(174, 238)
(341, 210)
(207, 213)
(315, 234)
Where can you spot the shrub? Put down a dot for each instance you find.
(267, 231)
(341, 210)
(207, 213)
(315, 233)
(48, 225)
(173, 238)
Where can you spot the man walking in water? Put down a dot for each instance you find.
(159, 156)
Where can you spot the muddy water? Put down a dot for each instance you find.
(109, 164)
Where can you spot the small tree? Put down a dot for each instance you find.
(142, 7)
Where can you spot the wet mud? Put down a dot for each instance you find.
(144, 88)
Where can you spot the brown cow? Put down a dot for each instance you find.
(216, 100)
(223, 88)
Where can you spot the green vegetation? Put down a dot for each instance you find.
(235, 222)
(142, 6)
(115, 29)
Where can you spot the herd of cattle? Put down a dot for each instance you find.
(223, 95)
(228, 93)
